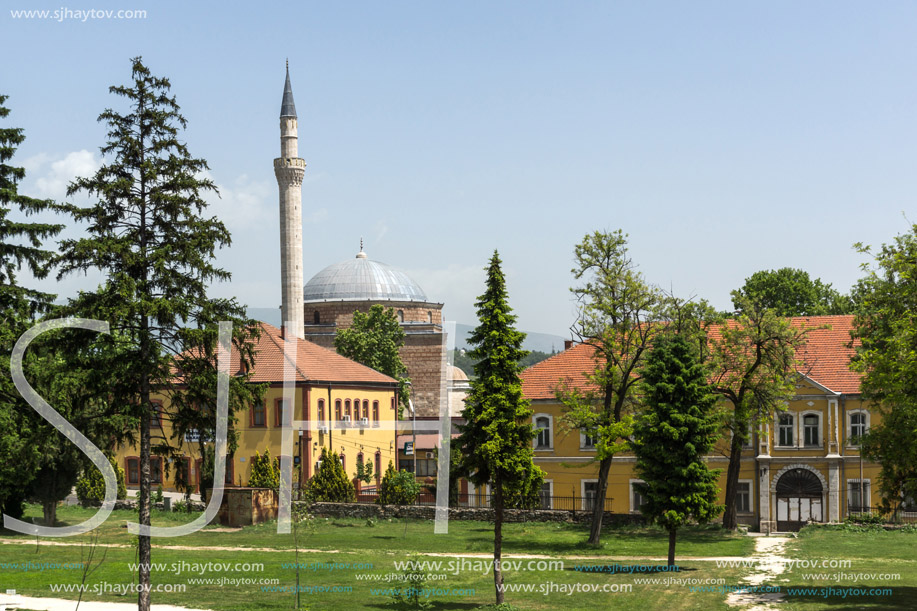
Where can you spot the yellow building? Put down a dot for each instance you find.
(802, 465)
(350, 409)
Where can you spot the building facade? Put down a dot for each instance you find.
(348, 408)
(802, 464)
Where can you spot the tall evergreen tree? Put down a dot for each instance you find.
(496, 439)
(148, 234)
(21, 245)
(672, 436)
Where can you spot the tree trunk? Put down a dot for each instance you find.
(143, 600)
(732, 483)
(598, 510)
(498, 539)
(672, 533)
(49, 508)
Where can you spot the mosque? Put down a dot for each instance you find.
(327, 302)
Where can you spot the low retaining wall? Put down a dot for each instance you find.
(483, 514)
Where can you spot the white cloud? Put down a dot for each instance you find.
(47, 175)
(243, 202)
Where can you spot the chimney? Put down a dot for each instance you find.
(568, 343)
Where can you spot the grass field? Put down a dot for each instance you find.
(351, 564)
(874, 556)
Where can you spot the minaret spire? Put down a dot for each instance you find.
(289, 169)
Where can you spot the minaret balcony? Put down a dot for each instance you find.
(289, 162)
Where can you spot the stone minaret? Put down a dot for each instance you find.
(290, 169)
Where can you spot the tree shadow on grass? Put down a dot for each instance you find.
(437, 604)
(902, 597)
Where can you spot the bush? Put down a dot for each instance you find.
(91, 486)
(409, 593)
(330, 484)
(265, 473)
(398, 487)
(865, 518)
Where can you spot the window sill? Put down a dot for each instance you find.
(544, 449)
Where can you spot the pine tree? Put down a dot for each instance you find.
(496, 439)
(330, 483)
(672, 437)
(148, 234)
(21, 245)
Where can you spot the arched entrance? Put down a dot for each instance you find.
(799, 499)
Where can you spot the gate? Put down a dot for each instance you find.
(799, 500)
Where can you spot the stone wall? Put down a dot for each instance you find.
(483, 514)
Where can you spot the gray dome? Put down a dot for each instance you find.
(360, 279)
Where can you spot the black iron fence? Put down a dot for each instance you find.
(560, 503)
(907, 515)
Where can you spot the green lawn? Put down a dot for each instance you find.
(872, 555)
(377, 547)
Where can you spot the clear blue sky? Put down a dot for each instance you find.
(724, 137)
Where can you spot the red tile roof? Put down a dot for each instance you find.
(313, 363)
(826, 355)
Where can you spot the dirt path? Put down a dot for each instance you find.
(769, 563)
(11, 602)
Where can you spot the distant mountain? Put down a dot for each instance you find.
(533, 341)
(269, 315)
(543, 342)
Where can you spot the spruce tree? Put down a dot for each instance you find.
(21, 245)
(148, 233)
(496, 439)
(672, 437)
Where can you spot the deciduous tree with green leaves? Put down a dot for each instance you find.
(672, 436)
(148, 234)
(398, 487)
(791, 292)
(496, 439)
(374, 339)
(619, 317)
(886, 329)
(752, 363)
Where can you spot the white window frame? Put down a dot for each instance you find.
(582, 442)
(751, 497)
(582, 490)
(550, 483)
(867, 491)
(850, 414)
(792, 426)
(630, 494)
(802, 429)
(550, 429)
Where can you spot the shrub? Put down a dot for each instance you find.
(865, 518)
(91, 486)
(265, 472)
(413, 581)
(330, 483)
(398, 487)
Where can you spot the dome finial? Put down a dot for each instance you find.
(361, 254)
